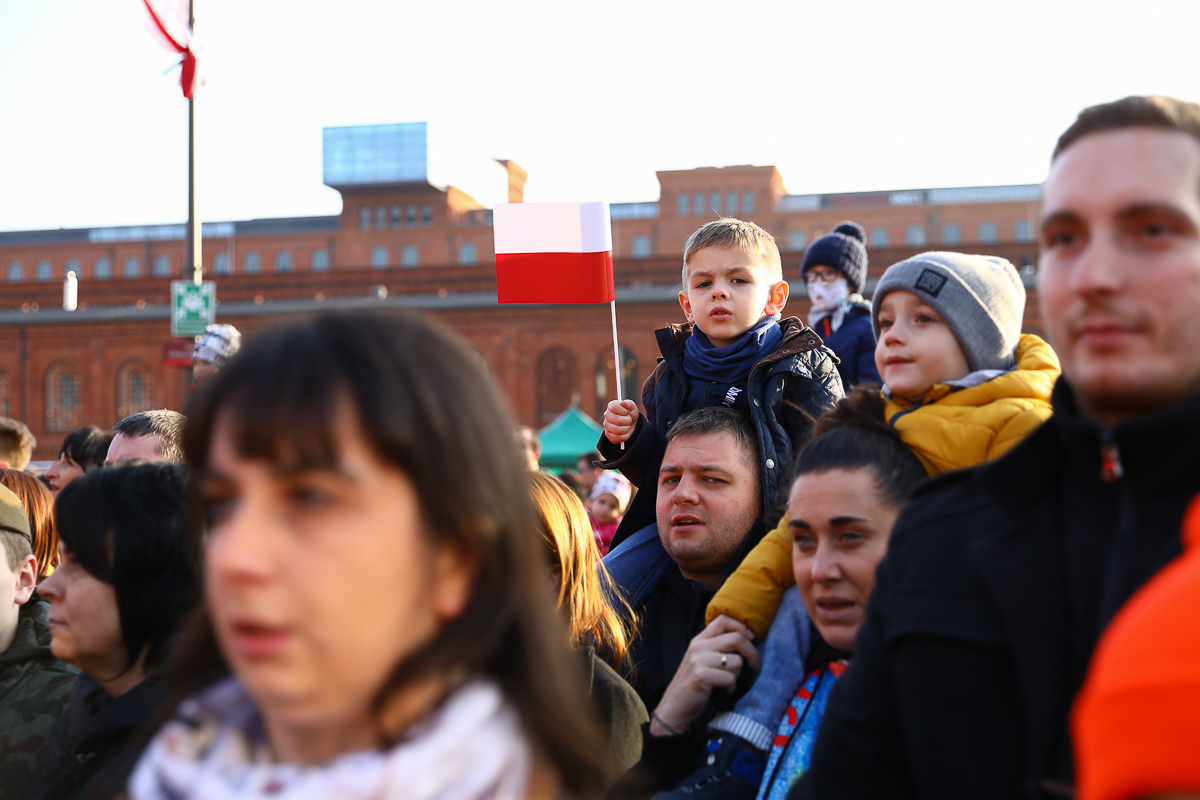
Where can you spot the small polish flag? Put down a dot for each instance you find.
(553, 253)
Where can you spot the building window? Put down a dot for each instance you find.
(797, 240)
(135, 389)
(381, 219)
(5, 395)
(379, 257)
(747, 203)
(283, 261)
(641, 246)
(62, 399)
(700, 212)
(320, 260)
(606, 371)
(1023, 231)
(879, 236)
(41, 273)
(714, 200)
(15, 272)
(987, 232)
(410, 216)
(73, 266)
(251, 263)
(102, 269)
(162, 266)
(221, 264)
(410, 256)
(467, 254)
(914, 236)
(426, 216)
(951, 233)
(731, 204)
(132, 267)
(682, 204)
(396, 212)
(555, 383)
(364, 218)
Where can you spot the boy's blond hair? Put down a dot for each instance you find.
(730, 232)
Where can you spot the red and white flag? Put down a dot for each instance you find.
(553, 253)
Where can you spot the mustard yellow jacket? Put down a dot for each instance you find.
(954, 427)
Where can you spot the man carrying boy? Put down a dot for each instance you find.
(733, 352)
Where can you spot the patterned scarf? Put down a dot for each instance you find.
(792, 751)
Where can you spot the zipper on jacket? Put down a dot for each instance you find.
(1111, 469)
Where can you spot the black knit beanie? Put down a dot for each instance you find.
(845, 249)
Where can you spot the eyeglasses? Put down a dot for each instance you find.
(821, 275)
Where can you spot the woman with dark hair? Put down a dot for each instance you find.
(595, 626)
(127, 578)
(377, 622)
(39, 508)
(83, 449)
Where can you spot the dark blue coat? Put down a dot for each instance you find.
(854, 344)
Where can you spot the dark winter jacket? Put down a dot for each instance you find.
(997, 584)
(853, 344)
(785, 392)
(96, 743)
(34, 690)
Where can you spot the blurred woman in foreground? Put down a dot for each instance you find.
(377, 619)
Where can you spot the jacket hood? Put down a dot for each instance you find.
(1033, 377)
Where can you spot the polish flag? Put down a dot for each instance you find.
(553, 253)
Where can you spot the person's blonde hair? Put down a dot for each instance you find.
(591, 614)
(730, 232)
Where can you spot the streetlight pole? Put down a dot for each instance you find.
(192, 256)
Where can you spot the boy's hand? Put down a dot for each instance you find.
(620, 418)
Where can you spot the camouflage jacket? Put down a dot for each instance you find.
(34, 690)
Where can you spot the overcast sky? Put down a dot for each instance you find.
(591, 98)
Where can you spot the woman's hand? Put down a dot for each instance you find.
(712, 660)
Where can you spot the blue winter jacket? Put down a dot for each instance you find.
(854, 344)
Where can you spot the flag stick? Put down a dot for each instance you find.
(616, 354)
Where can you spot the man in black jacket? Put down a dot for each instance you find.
(999, 580)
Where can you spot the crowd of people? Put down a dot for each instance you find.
(901, 550)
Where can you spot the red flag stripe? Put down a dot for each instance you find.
(554, 277)
(163, 30)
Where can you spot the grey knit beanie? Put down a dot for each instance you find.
(981, 298)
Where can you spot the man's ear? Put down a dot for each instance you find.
(686, 304)
(26, 580)
(777, 299)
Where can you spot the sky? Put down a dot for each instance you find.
(591, 99)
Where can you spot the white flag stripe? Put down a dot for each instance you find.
(552, 228)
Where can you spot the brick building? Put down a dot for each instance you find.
(404, 240)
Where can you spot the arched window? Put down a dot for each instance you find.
(102, 269)
(700, 212)
(221, 264)
(251, 263)
(41, 272)
(605, 372)
(135, 389)
(747, 203)
(987, 232)
(364, 218)
(410, 256)
(5, 395)
(641, 246)
(132, 267)
(396, 216)
(379, 257)
(714, 200)
(555, 382)
(467, 254)
(731, 204)
(879, 236)
(162, 266)
(283, 261)
(797, 240)
(73, 266)
(410, 216)
(62, 398)
(951, 234)
(682, 204)
(320, 260)
(914, 236)
(426, 216)
(1023, 231)
(15, 272)
(381, 219)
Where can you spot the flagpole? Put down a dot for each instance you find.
(616, 354)
(192, 257)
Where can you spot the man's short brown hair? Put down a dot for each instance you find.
(1155, 111)
(16, 443)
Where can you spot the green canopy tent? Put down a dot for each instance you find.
(571, 434)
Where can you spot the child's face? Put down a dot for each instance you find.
(729, 292)
(916, 348)
(604, 508)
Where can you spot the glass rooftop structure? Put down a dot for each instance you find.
(367, 154)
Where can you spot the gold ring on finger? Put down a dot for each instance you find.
(724, 660)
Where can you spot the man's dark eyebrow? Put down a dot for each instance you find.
(1060, 217)
(1144, 209)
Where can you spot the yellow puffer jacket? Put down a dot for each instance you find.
(952, 428)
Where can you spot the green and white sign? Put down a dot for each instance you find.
(193, 308)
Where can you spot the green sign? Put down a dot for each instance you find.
(193, 308)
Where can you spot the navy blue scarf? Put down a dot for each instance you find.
(730, 364)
